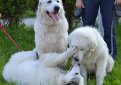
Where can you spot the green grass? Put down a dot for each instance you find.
(25, 39)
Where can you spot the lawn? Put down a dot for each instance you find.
(25, 39)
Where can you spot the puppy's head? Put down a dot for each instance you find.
(52, 9)
(85, 41)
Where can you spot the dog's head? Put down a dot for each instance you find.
(85, 41)
(73, 76)
(51, 9)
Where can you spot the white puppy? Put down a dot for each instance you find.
(24, 69)
(92, 53)
(50, 27)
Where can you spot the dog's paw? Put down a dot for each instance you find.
(72, 50)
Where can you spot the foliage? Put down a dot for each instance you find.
(29, 13)
(69, 1)
(13, 9)
(69, 8)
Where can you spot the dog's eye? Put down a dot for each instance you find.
(58, 1)
(49, 1)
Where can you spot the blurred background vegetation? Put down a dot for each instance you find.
(14, 10)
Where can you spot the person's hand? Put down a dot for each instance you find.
(79, 4)
(117, 2)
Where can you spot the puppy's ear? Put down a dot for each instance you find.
(92, 45)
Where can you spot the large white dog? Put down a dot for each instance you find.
(92, 53)
(50, 27)
(24, 69)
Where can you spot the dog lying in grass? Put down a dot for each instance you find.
(92, 53)
(24, 69)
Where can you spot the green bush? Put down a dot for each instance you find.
(13, 9)
(69, 6)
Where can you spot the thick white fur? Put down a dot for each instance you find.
(24, 69)
(92, 53)
(50, 35)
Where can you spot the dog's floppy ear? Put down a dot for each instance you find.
(92, 44)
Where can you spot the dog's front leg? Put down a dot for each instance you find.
(65, 55)
(57, 59)
(83, 71)
(100, 71)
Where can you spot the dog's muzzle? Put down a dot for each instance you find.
(76, 58)
(55, 14)
(72, 83)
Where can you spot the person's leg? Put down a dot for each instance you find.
(114, 47)
(90, 12)
(106, 8)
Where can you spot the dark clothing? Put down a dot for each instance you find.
(106, 8)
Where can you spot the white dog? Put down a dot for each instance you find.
(92, 53)
(24, 69)
(50, 27)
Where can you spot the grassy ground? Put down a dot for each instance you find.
(25, 38)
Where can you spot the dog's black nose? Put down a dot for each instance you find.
(76, 58)
(56, 9)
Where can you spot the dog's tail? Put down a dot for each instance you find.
(110, 64)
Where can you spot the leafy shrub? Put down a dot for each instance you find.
(13, 9)
(69, 6)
